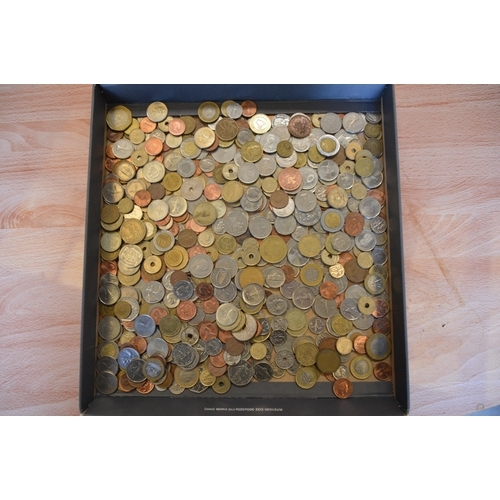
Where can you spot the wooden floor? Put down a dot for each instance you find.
(449, 148)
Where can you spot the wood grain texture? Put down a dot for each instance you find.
(450, 178)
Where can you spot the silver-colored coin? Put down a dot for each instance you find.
(109, 328)
(225, 155)
(285, 225)
(301, 145)
(157, 210)
(366, 241)
(135, 371)
(378, 225)
(263, 372)
(278, 337)
(295, 257)
(373, 181)
(345, 137)
(331, 123)
(135, 308)
(166, 281)
(190, 335)
(201, 265)
(364, 322)
(281, 119)
(274, 276)
(240, 374)
(200, 316)
(345, 180)
(234, 110)
(183, 355)
(308, 218)
(253, 294)
(191, 190)
(226, 294)
(219, 227)
(131, 255)
(287, 162)
(324, 308)
(227, 314)
(373, 117)
(123, 148)
(300, 232)
(279, 322)
(266, 165)
(286, 211)
(231, 359)
(342, 242)
(309, 178)
(369, 207)
(259, 227)
(269, 142)
(183, 290)
(207, 164)
(294, 368)
(349, 309)
(144, 325)
(107, 364)
(220, 277)
(379, 256)
(244, 136)
(236, 222)
(186, 168)
(109, 294)
(285, 359)
(355, 292)
(171, 300)
(153, 292)
(316, 325)
(340, 283)
(276, 304)
(287, 289)
(342, 372)
(354, 122)
(248, 173)
(213, 347)
(112, 192)
(106, 382)
(126, 355)
(154, 171)
(303, 297)
(306, 201)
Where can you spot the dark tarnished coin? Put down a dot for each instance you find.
(134, 370)
(106, 382)
(183, 355)
(263, 372)
(107, 364)
(382, 371)
(278, 337)
(328, 360)
(240, 374)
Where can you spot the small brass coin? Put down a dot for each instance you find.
(310, 246)
(273, 249)
(221, 385)
(306, 377)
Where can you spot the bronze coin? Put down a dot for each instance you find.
(142, 198)
(109, 267)
(224, 336)
(360, 343)
(212, 192)
(381, 308)
(279, 199)
(226, 129)
(217, 371)
(342, 388)
(113, 135)
(186, 310)
(328, 343)
(289, 273)
(157, 313)
(382, 371)
(354, 224)
(177, 127)
(124, 383)
(153, 146)
(139, 344)
(177, 276)
(146, 387)
(207, 330)
(187, 238)
(249, 108)
(204, 291)
(211, 305)
(345, 257)
(381, 325)
(218, 361)
(300, 126)
(328, 290)
(290, 179)
(146, 125)
(234, 347)
(157, 191)
(355, 273)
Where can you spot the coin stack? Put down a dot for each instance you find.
(239, 247)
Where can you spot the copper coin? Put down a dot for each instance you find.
(153, 146)
(226, 129)
(157, 313)
(378, 194)
(140, 344)
(211, 305)
(289, 273)
(339, 298)
(129, 325)
(234, 347)
(279, 199)
(147, 126)
(113, 135)
(217, 371)
(329, 377)
(204, 291)
(360, 343)
(187, 238)
(355, 273)
(157, 191)
(177, 276)
(208, 330)
(177, 127)
(186, 310)
(196, 227)
(224, 336)
(290, 179)
(381, 325)
(142, 198)
(382, 371)
(124, 383)
(342, 388)
(300, 126)
(354, 224)
(381, 308)
(212, 192)
(249, 108)
(218, 361)
(328, 290)
(146, 387)
(109, 152)
(328, 343)
(345, 257)
(196, 250)
(109, 267)
(164, 222)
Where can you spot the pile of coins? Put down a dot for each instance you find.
(240, 248)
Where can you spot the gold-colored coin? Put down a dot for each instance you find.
(364, 167)
(329, 259)
(337, 197)
(301, 160)
(258, 351)
(186, 378)
(110, 214)
(306, 354)
(206, 378)
(314, 155)
(311, 274)
(328, 360)
(190, 123)
(366, 305)
(344, 345)
(340, 325)
(365, 260)
(358, 191)
(226, 244)
(206, 238)
(232, 191)
(205, 214)
(152, 264)
(133, 126)
(328, 145)
(174, 257)
(222, 384)
(157, 111)
(332, 220)
(296, 319)
(269, 185)
(137, 136)
(348, 167)
(316, 119)
(251, 257)
(125, 205)
(122, 309)
(352, 149)
(252, 151)
(372, 130)
(132, 231)
(284, 149)
(306, 377)
(273, 249)
(109, 256)
(310, 245)
(208, 112)
(124, 170)
(336, 271)
(230, 171)
(361, 367)
(226, 129)
(259, 123)
(204, 137)
(126, 337)
(108, 348)
(119, 118)
(172, 181)
(189, 148)
(173, 141)
(251, 275)
(139, 157)
(129, 280)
